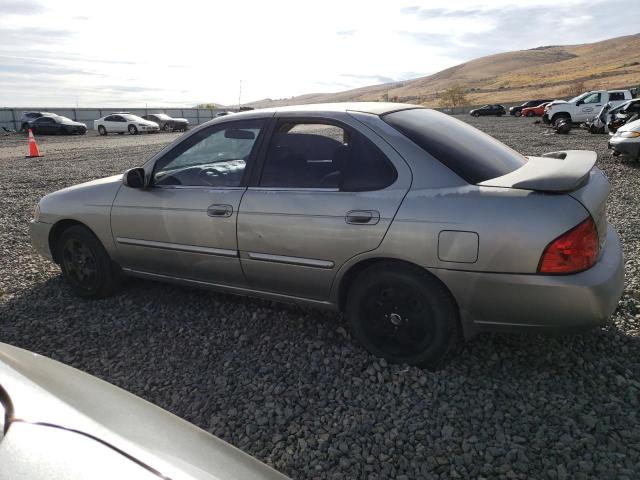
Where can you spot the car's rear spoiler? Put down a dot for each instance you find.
(563, 171)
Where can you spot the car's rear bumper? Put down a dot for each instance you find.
(540, 303)
(39, 233)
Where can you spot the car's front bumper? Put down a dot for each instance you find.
(39, 233)
(540, 303)
(545, 119)
(625, 146)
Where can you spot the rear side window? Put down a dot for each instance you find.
(470, 153)
(321, 155)
(613, 96)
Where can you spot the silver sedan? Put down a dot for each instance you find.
(419, 227)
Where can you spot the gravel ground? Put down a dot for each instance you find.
(287, 384)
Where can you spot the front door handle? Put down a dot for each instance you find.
(362, 217)
(217, 210)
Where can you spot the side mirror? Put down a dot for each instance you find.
(134, 178)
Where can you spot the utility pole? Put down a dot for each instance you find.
(239, 95)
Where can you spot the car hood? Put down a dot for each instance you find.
(630, 127)
(73, 123)
(41, 390)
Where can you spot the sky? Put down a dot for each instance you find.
(68, 53)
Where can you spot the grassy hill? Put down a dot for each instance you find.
(507, 77)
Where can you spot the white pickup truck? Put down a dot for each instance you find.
(584, 107)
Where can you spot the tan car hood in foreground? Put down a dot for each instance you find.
(45, 391)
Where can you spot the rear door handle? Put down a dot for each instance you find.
(362, 217)
(219, 210)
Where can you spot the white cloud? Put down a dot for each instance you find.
(181, 53)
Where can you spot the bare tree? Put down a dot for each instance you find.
(454, 96)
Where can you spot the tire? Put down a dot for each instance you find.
(102, 130)
(133, 130)
(518, 113)
(85, 264)
(530, 114)
(403, 314)
(559, 117)
(25, 128)
(167, 127)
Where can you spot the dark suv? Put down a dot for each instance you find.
(497, 110)
(517, 110)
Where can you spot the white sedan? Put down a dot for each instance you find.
(124, 122)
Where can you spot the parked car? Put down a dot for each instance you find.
(28, 117)
(122, 122)
(584, 107)
(497, 110)
(59, 423)
(536, 111)
(517, 110)
(415, 224)
(626, 141)
(57, 125)
(167, 123)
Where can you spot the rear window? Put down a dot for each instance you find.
(472, 154)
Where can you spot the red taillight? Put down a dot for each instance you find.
(572, 252)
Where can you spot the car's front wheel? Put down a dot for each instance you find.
(133, 130)
(530, 114)
(102, 130)
(518, 113)
(167, 127)
(86, 265)
(403, 314)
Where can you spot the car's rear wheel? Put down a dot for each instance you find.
(530, 114)
(133, 130)
(86, 265)
(518, 113)
(167, 127)
(102, 130)
(403, 314)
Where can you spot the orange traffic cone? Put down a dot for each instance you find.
(33, 147)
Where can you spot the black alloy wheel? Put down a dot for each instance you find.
(85, 264)
(403, 314)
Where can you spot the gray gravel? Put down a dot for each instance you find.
(287, 384)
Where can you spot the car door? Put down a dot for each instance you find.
(326, 191)
(591, 105)
(44, 125)
(184, 224)
(117, 124)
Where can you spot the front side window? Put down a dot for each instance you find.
(322, 155)
(213, 157)
(593, 98)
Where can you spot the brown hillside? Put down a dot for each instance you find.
(508, 77)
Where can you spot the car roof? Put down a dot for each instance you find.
(376, 108)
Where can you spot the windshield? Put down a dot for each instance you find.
(162, 116)
(575, 99)
(472, 154)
